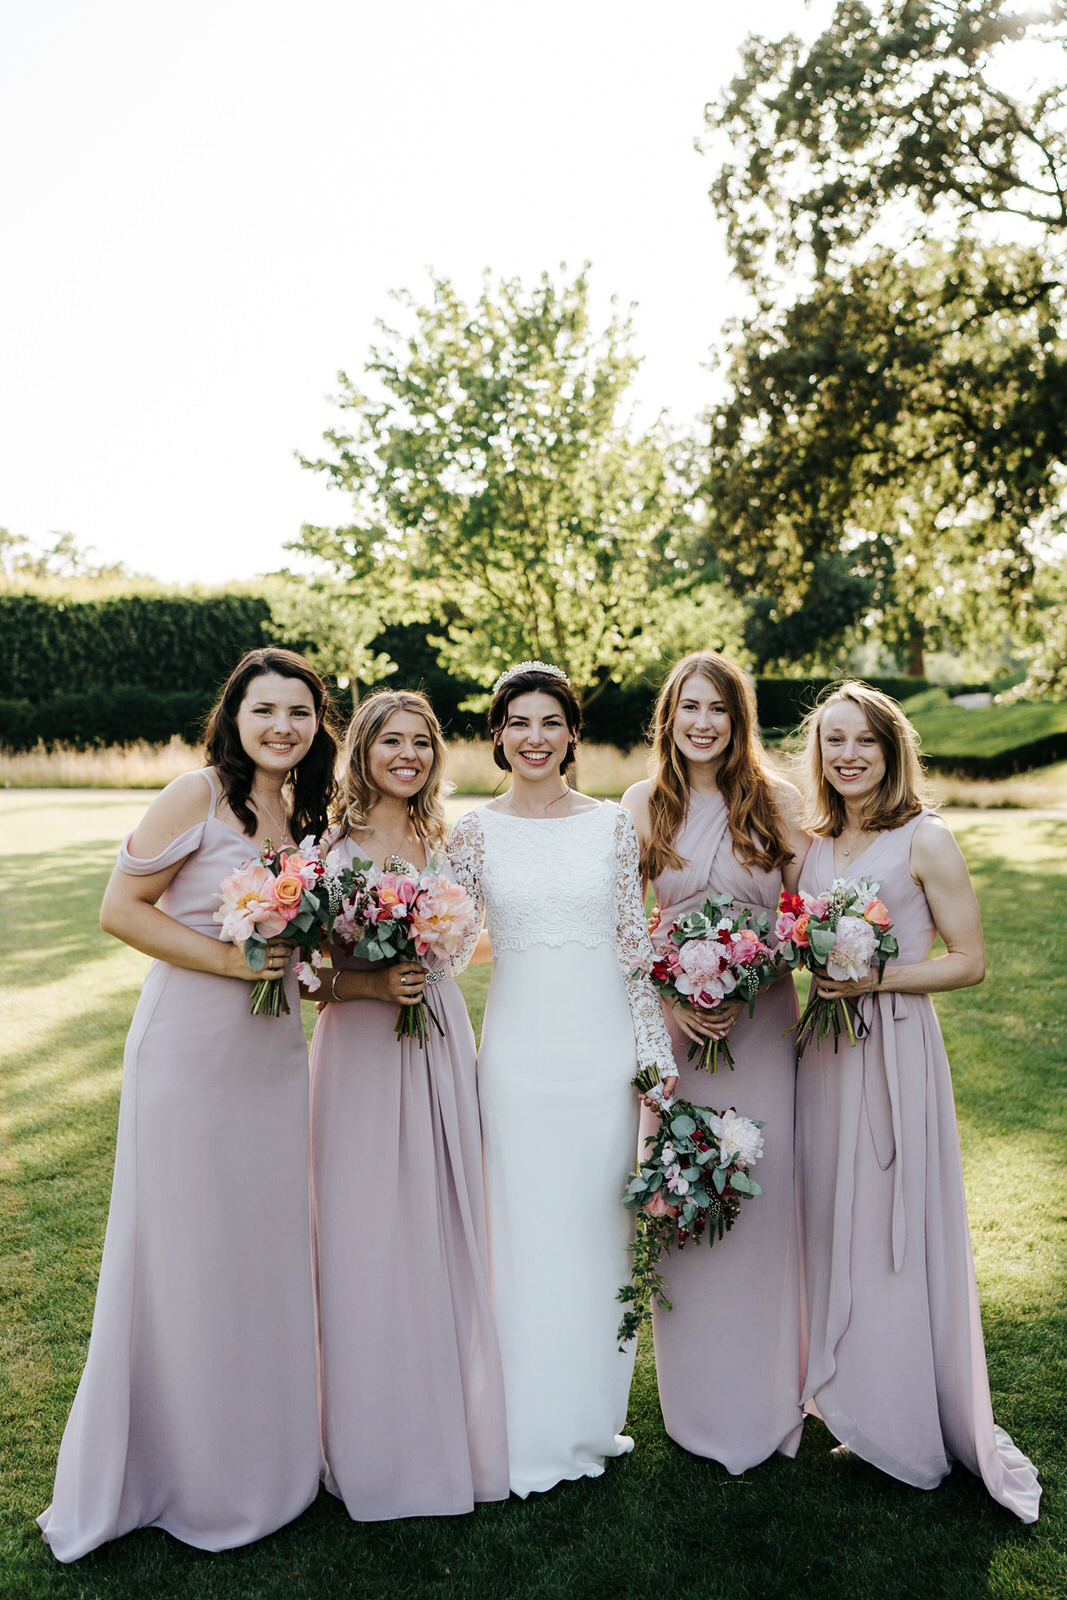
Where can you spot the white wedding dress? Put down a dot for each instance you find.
(565, 1027)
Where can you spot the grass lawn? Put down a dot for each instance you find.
(948, 730)
(660, 1522)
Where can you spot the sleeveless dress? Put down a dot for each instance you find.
(734, 1400)
(895, 1362)
(412, 1391)
(196, 1411)
(565, 1026)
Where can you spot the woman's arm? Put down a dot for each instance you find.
(129, 911)
(633, 947)
(938, 867)
(401, 984)
(791, 810)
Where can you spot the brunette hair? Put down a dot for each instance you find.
(745, 781)
(901, 794)
(312, 782)
(356, 792)
(532, 681)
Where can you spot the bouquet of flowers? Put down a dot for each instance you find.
(839, 933)
(710, 955)
(284, 895)
(687, 1188)
(400, 914)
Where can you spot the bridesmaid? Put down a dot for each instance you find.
(895, 1363)
(412, 1390)
(196, 1411)
(714, 819)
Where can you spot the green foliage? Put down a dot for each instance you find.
(115, 716)
(809, 1529)
(995, 742)
(896, 400)
(496, 489)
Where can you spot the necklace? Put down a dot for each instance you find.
(273, 816)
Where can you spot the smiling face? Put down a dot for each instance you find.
(853, 761)
(276, 722)
(535, 736)
(400, 758)
(702, 725)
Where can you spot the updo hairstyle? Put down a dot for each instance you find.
(533, 681)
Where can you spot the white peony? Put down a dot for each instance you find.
(853, 950)
(739, 1138)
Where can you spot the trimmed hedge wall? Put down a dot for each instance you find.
(169, 644)
(121, 715)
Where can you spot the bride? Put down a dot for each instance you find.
(565, 1029)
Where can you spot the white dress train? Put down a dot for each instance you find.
(565, 1027)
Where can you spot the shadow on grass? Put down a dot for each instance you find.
(64, 935)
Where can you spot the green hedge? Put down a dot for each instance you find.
(121, 715)
(169, 644)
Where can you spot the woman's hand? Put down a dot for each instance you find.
(667, 1088)
(655, 916)
(699, 1025)
(846, 988)
(403, 984)
(275, 965)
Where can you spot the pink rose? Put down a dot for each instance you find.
(783, 928)
(799, 934)
(817, 908)
(308, 868)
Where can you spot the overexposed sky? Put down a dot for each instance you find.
(205, 204)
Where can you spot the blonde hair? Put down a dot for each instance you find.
(901, 795)
(745, 781)
(356, 792)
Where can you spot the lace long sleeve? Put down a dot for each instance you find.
(465, 853)
(634, 949)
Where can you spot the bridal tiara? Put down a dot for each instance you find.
(531, 666)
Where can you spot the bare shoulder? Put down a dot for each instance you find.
(184, 803)
(934, 849)
(636, 802)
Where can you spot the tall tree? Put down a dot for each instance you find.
(497, 487)
(895, 409)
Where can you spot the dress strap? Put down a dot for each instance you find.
(176, 851)
(209, 780)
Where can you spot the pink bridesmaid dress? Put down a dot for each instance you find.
(728, 1354)
(196, 1411)
(895, 1358)
(412, 1387)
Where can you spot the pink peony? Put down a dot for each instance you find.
(248, 906)
(699, 973)
(660, 1206)
(441, 917)
(853, 950)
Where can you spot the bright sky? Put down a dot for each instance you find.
(207, 202)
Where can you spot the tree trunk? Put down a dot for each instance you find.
(916, 667)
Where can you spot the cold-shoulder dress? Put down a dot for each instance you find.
(896, 1362)
(735, 1396)
(565, 1027)
(196, 1411)
(412, 1391)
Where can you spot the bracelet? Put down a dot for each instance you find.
(334, 975)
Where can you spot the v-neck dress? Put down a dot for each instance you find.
(734, 1399)
(197, 1409)
(412, 1388)
(895, 1360)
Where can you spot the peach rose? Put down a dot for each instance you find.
(287, 894)
(877, 913)
(799, 934)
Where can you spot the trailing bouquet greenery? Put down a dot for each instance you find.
(688, 1187)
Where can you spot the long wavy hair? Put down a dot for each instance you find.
(311, 783)
(901, 795)
(356, 791)
(534, 682)
(745, 781)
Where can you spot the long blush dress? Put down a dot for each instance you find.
(896, 1362)
(565, 1026)
(728, 1354)
(412, 1391)
(196, 1411)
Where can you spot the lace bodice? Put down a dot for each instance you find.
(561, 881)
